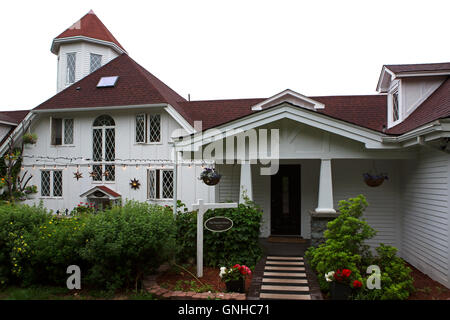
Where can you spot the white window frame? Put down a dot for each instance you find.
(149, 129)
(146, 124)
(90, 61)
(51, 196)
(74, 68)
(63, 133)
(394, 90)
(103, 163)
(159, 196)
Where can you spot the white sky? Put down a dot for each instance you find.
(230, 49)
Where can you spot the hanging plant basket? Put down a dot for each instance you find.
(210, 177)
(374, 180)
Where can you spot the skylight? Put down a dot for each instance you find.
(107, 82)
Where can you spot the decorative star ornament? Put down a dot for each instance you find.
(135, 184)
(77, 175)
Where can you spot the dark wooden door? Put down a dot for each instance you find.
(286, 201)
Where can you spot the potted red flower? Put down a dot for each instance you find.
(234, 277)
(340, 287)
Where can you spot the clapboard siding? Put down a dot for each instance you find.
(425, 211)
(228, 188)
(382, 214)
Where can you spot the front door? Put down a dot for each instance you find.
(286, 200)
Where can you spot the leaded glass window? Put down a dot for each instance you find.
(155, 128)
(96, 62)
(45, 183)
(57, 184)
(71, 67)
(104, 148)
(395, 107)
(160, 184)
(141, 128)
(167, 184)
(68, 131)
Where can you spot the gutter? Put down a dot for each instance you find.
(156, 105)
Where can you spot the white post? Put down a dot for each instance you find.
(246, 181)
(325, 203)
(202, 207)
(175, 181)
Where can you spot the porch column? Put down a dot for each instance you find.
(246, 181)
(325, 203)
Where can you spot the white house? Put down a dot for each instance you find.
(113, 121)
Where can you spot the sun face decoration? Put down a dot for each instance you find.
(77, 175)
(135, 184)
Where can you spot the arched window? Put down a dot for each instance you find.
(103, 149)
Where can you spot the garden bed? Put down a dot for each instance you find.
(426, 288)
(177, 279)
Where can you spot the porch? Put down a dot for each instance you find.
(305, 186)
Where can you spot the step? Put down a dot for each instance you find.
(283, 258)
(285, 296)
(284, 280)
(284, 288)
(285, 274)
(285, 268)
(290, 263)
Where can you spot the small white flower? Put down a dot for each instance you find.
(222, 271)
(329, 276)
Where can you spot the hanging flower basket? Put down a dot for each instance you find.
(29, 138)
(375, 180)
(210, 177)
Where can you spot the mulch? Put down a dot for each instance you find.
(427, 288)
(171, 277)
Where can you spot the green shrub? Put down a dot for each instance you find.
(345, 248)
(124, 243)
(16, 223)
(239, 245)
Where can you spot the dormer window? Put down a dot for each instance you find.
(395, 107)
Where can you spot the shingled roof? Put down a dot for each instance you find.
(88, 26)
(14, 117)
(135, 86)
(420, 67)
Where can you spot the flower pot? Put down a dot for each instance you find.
(340, 291)
(236, 286)
(374, 182)
(211, 181)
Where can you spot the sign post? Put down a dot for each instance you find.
(202, 207)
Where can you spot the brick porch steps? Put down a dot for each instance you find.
(284, 278)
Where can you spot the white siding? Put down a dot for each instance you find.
(383, 211)
(426, 214)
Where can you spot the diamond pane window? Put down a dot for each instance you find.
(151, 184)
(104, 120)
(97, 172)
(141, 128)
(395, 107)
(110, 172)
(70, 73)
(110, 144)
(57, 184)
(68, 131)
(96, 62)
(45, 183)
(167, 184)
(97, 144)
(155, 128)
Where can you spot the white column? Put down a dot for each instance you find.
(246, 181)
(325, 203)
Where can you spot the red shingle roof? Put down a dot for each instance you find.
(366, 111)
(135, 86)
(435, 107)
(109, 191)
(90, 26)
(13, 116)
(423, 67)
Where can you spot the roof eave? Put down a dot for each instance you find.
(57, 41)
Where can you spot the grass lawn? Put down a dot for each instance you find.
(58, 293)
